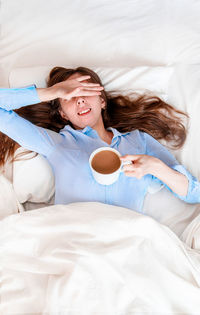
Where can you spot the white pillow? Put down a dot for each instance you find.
(9, 203)
(184, 93)
(128, 80)
(33, 178)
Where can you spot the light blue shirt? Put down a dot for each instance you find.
(68, 153)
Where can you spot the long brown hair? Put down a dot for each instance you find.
(143, 112)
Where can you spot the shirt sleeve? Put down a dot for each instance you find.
(154, 148)
(22, 131)
(16, 98)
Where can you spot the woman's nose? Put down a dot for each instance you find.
(81, 101)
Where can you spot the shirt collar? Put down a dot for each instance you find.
(87, 130)
(116, 133)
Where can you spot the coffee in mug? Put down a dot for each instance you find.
(106, 162)
(106, 165)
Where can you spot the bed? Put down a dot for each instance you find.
(92, 258)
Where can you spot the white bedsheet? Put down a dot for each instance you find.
(94, 259)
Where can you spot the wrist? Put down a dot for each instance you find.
(52, 93)
(156, 166)
(175, 180)
(47, 94)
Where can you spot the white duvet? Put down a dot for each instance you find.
(94, 259)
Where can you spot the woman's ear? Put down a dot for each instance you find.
(103, 103)
(62, 114)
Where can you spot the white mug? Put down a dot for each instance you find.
(106, 179)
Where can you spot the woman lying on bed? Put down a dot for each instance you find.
(76, 117)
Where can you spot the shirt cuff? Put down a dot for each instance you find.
(193, 193)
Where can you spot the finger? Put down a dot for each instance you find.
(84, 88)
(91, 88)
(129, 174)
(130, 168)
(89, 84)
(83, 77)
(87, 93)
(130, 157)
(81, 90)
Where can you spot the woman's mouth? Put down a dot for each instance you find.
(84, 112)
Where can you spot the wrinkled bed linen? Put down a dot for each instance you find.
(92, 258)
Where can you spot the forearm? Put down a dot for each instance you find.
(47, 94)
(176, 181)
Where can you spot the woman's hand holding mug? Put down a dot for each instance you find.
(141, 165)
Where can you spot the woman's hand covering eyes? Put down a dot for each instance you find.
(70, 88)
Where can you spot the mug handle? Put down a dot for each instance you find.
(124, 163)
